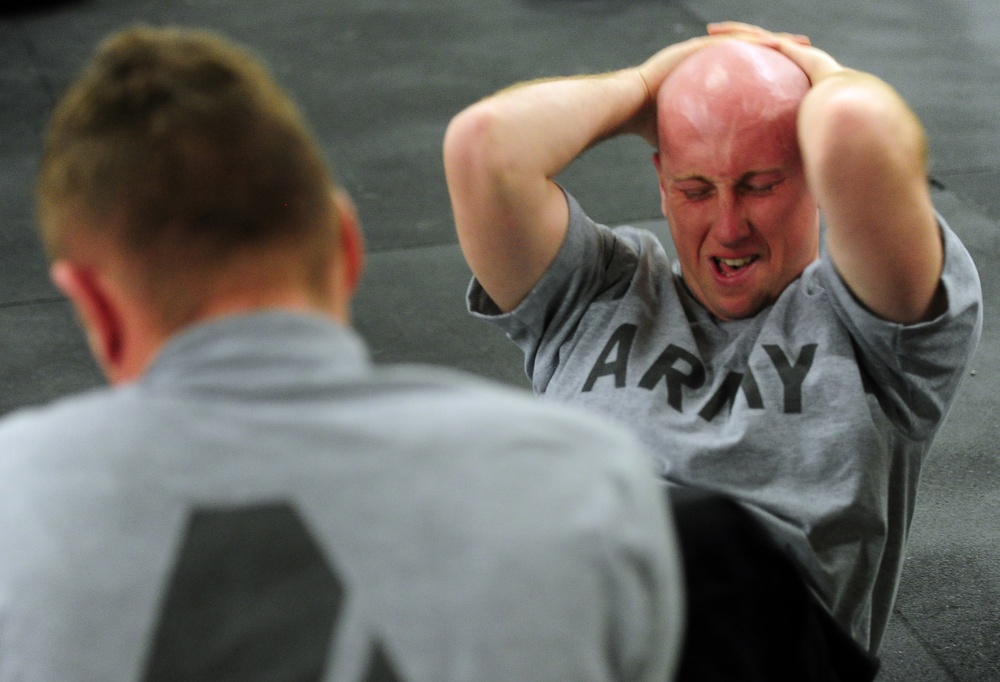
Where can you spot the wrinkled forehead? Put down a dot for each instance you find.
(728, 92)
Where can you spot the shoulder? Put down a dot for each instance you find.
(60, 419)
(959, 282)
(63, 436)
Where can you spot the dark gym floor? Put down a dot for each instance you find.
(379, 80)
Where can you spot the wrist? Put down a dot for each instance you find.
(650, 99)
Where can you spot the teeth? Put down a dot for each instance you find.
(735, 262)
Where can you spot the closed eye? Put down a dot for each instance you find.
(759, 188)
(696, 194)
(694, 191)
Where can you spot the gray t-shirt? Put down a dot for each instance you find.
(265, 502)
(815, 413)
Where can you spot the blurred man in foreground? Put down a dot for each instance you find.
(252, 499)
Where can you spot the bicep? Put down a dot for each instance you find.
(888, 252)
(865, 159)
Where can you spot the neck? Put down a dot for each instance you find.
(145, 339)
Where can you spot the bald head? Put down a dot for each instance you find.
(730, 86)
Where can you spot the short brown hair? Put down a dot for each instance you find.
(180, 148)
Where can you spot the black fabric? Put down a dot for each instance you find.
(252, 598)
(750, 615)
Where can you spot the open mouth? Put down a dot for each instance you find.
(729, 267)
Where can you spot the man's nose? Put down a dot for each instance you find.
(731, 225)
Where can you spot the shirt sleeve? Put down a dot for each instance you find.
(917, 367)
(593, 262)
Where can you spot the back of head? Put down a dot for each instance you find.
(177, 151)
(731, 85)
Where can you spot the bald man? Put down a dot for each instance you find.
(804, 377)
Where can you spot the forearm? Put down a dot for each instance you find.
(538, 128)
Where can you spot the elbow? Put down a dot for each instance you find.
(471, 149)
(461, 139)
(485, 172)
(862, 130)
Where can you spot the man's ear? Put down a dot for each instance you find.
(351, 245)
(95, 306)
(658, 164)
